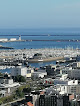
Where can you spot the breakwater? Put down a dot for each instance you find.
(54, 40)
(58, 40)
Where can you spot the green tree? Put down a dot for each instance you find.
(20, 78)
(19, 92)
(1, 102)
(27, 90)
(1, 74)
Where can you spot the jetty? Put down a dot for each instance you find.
(3, 47)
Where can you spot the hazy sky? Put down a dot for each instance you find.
(39, 13)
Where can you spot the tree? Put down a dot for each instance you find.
(1, 102)
(1, 74)
(20, 78)
(27, 90)
(19, 93)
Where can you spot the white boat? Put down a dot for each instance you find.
(40, 60)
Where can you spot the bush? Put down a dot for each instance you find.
(1, 102)
(6, 99)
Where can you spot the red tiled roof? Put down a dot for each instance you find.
(29, 104)
(41, 93)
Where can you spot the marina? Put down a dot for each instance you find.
(47, 52)
(12, 57)
(52, 48)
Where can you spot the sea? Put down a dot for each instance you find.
(41, 34)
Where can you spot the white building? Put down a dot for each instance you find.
(72, 73)
(70, 89)
(3, 39)
(66, 71)
(2, 93)
(60, 81)
(76, 65)
(7, 85)
(29, 72)
(19, 71)
(64, 76)
(38, 74)
(24, 71)
(13, 39)
(73, 82)
(6, 81)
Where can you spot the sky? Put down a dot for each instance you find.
(39, 14)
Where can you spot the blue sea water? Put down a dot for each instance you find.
(41, 34)
(42, 44)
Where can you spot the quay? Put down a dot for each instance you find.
(44, 60)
